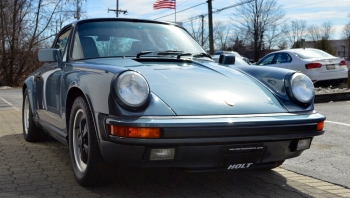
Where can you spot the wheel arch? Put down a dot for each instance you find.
(72, 94)
(29, 85)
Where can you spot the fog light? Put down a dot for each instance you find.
(303, 144)
(162, 154)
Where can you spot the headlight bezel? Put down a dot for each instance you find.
(124, 103)
(291, 92)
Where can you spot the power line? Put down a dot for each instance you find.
(306, 4)
(218, 10)
(181, 10)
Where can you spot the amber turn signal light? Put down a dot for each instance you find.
(134, 132)
(320, 126)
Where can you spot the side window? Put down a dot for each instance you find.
(61, 43)
(283, 58)
(268, 60)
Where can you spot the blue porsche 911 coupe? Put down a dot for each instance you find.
(130, 92)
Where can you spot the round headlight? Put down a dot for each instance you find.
(132, 90)
(301, 89)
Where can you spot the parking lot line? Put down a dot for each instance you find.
(9, 104)
(340, 123)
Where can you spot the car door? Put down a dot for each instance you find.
(49, 87)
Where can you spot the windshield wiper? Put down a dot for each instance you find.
(143, 53)
(202, 55)
(167, 52)
(173, 52)
(195, 55)
(183, 54)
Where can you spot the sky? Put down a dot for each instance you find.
(314, 12)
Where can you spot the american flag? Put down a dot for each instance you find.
(159, 4)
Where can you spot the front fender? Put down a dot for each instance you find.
(274, 80)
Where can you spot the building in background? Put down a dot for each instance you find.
(340, 47)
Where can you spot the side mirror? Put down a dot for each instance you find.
(227, 59)
(50, 55)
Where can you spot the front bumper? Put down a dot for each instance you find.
(211, 142)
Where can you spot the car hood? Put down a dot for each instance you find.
(194, 88)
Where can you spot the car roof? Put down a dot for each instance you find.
(296, 50)
(123, 19)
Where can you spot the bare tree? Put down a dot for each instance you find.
(325, 31)
(199, 32)
(238, 45)
(273, 37)
(314, 33)
(295, 31)
(320, 36)
(24, 26)
(222, 35)
(283, 44)
(346, 29)
(257, 18)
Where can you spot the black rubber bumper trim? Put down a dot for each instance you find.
(212, 140)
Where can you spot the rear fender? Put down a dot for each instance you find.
(30, 86)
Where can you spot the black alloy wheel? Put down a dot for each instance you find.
(88, 165)
(31, 132)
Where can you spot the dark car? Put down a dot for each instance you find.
(128, 92)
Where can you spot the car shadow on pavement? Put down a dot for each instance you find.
(43, 170)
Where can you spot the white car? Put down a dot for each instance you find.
(316, 64)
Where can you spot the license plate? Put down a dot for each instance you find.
(242, 156)
(330, 67)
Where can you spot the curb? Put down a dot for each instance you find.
(332, 97)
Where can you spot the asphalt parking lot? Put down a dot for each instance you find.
(43, 170)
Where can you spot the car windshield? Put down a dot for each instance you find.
(312, 53)
(121, 38)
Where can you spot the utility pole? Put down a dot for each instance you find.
(211, 39)
(117, 9)
(202, 29)
(77, 14)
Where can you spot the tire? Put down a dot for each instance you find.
(88, 165)
(279, 163)
(31, 132)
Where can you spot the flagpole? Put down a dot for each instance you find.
(175, 10)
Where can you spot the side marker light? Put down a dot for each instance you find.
(134, 132)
